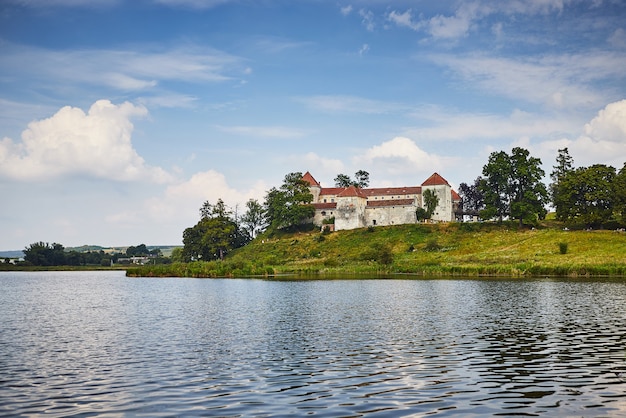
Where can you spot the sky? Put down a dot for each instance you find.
(119, 118)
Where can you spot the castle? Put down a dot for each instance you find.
(352, 207)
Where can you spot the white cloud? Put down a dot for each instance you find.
(367, 19)
(193, 4)
(277, 132)
(618, 38)
(364, 49)
(610, 124)
(72, 142)
(444, 124)
(556, 81)
(351, 104)
(346, 10)
(602, 141)
(180, 202)
(126, 70)
(401, 156)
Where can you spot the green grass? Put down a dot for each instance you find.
(443, 249)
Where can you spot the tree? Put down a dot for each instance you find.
(215, 235)
(619, 190)
(588, 195)
(343, 180)
(512, 186)
(254, 219)
(430, 202)
(472, 197)
(44, 254)
(362, 179)
(564, 166)
(528, 193)
(290, 205)
(496, 187)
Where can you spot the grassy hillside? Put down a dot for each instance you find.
(442, 249)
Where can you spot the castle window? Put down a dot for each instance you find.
(323, 213)
(332, 200)
(324, 200)
(374, 222)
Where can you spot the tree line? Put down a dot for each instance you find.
(45, 254)
(511, 187)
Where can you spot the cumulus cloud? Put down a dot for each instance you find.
(602, 141)
(400, 156)
(75, 143)
(180, 202)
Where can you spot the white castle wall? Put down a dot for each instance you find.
(443, 211)
(350, 213)
(390, 215)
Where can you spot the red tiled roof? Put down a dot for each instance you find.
(310, 179)
(455, 196)
(352, 192)
(331, 190)
(392, 191)
(391, 202)
(435, 180)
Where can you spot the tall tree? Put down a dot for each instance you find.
(619, 190)
(343, 180)
(362, 180)
(472, 197)
(289, 205)
(588, 195)
(513, 187)
(564, 165)
(496, 187)
(214, 236)
(528, 193)
(253, 220)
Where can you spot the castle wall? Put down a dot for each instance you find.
(443, 211)
(390, 215)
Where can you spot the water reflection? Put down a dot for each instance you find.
(99, 343)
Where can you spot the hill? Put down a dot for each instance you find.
(437, 249)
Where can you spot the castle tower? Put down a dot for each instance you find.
(314, 186)
(444, 211)
(350, 212)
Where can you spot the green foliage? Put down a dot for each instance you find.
(362, 179)
(290, 204)
(588, 195)
(421, 214)
(253, 220)
(379, 252)
(432, 245)
(513, 187)
(473, 199)
(431, 200)
(214, 236)
(44, 254)
(563, 247)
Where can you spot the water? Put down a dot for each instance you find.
(98, 343)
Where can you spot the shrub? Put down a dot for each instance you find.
(432, 245)
(563, 247)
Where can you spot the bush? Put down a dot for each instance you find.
(563, 247)
(432, 245)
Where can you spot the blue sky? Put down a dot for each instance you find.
(119, 118)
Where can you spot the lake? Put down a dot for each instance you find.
(98, 343)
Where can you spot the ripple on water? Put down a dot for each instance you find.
(81, 344)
